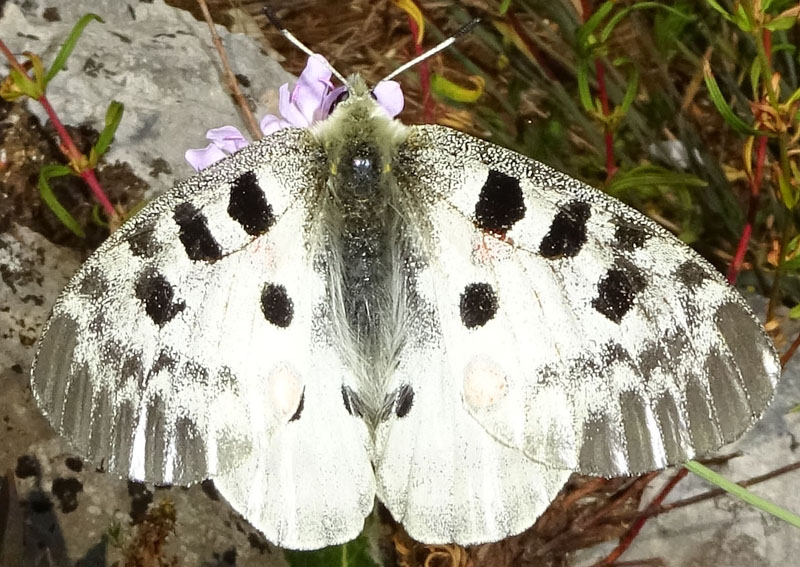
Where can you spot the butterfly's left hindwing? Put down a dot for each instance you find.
(578, 332)
(192, 344)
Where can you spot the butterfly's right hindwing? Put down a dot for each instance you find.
(189, 346)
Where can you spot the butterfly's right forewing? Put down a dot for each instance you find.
(192, 344)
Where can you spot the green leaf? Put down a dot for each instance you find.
(582, 74)
(25, 85)
(716, 5)
(69, 45)
(735, 490)
(742, 18)
(47, 173)
(352, 554)
(113, 118)
(639, 6)
(630, 92)
(794, 312)
(450, 90)
(790, 265)
(715, 94)
(755, 76)
(784, 23)
(504, 6)
(651, 175)
(587, 29)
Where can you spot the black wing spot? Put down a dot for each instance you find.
(142, 243)
(629, 236)
(276, 305)
(500, 203)
(617, 291)
(248, 205)
(352, 403)
(93, 284)
(567, 233)
(691, 274)
(478, 305)
(300, 407)
(195, 235)
(404, 400)
(158, 297)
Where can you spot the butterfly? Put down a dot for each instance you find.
(363, 308)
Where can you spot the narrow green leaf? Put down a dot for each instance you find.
(794, 312)
(69, 45)
(587, 29)
(630, 92)
(113, 118)
(716, 5)
(504, 6)
(715, 94)
(582, 74)
(742, 18)
(755, 76)
(787, 194)
(743, 494)
(639, 6)
(652, 175)
(45, 174)
(448, 89)
(352, 554)
(779, 24)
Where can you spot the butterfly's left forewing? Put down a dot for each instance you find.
(193, 344)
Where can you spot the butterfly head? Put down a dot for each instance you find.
(360, 140)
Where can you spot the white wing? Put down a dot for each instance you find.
(192, 344)
(579, 333)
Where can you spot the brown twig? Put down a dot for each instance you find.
(658, 510)
(633, 531)
(233, 85)
(786, 356)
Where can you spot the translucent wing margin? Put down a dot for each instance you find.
(590, 338)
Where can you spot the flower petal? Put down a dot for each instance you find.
(390, 96)
(325, 109)
(288, 110)
(303, 106)
(271, 124)
(227, 138)
(202, 158)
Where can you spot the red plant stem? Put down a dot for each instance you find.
(633, 531)
(424, 74)
(74, 155)
(752, 211)
(611, 162)
(67, 145)
(602, 92)
(755, 189)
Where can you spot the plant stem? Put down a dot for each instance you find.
(752, 211)
(233, 84)
(67, 146)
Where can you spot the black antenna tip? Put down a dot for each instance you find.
(466, 28)
(273, 18)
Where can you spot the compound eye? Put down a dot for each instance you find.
(343, 96)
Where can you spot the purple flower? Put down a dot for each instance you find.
(309, 101)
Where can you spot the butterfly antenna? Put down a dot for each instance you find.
(275, 21)
(465, 29)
